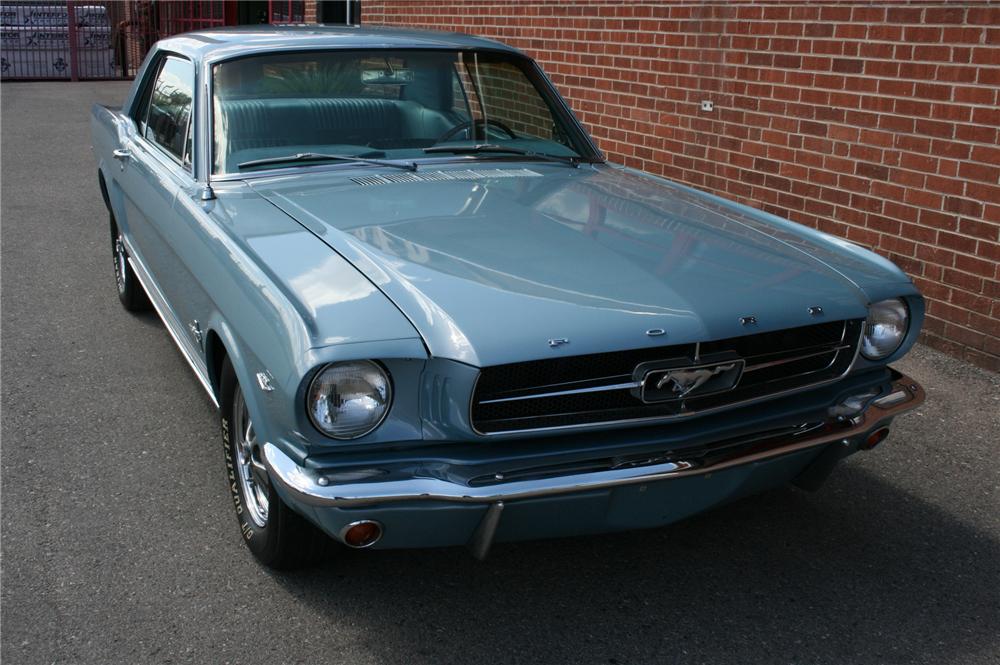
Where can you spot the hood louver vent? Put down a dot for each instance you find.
(439, 176)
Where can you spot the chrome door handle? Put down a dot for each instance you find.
(121, 154)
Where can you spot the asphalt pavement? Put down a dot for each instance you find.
(119, 544)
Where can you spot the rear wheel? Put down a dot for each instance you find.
(276, 535)
(130, 292)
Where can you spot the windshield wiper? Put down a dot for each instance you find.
(318, 156)
(495, 148)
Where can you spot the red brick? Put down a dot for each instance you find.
(989, 76)
(957, 74)
(986, 116)
(925, 163)
(984, 230)
(935, 128)
(982, 192)
(895, 123)
(965, 336)
(956, 242)
(976, 266)
(819, 30)
(944, 185)
(963, 35)
(990, 174)
(873, 171)
(939, 220)
(983, 16)
(991, 252)
(950, 149)
(976, 133)
(932, 91)
(944, 15)
(934, 53)
(963, 280)
(963, 206)
(922, 34)
(835, 14)
(970, 301)
(975, 95)
(932, 254)
(949, 313)
(985, 56)
(932, 289)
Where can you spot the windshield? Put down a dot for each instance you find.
(382, 104)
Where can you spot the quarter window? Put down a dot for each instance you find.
(168, 118)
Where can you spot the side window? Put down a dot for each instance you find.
(169, 114)
(140, 111)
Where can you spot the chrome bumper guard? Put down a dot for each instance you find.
(311, 487)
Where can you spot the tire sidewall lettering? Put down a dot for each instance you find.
(234, 489)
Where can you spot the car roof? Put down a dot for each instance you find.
(223, 43)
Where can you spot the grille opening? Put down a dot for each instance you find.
(599, 388)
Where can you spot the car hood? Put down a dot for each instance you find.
(497, 264)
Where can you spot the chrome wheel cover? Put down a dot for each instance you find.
(250, 470)
(121, 263)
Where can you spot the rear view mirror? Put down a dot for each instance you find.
(386, 76)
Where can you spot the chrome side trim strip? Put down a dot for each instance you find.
(302, 483)
(170, 322)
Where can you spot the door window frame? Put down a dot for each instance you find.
(141, 107)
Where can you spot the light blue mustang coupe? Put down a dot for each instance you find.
(431, 314)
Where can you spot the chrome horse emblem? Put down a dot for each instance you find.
(686, 380)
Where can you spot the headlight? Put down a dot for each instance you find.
(349, 399)
(885, 328)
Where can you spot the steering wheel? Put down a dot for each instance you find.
(468, 124)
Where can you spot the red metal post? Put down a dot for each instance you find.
(74, 53)
(230, 13)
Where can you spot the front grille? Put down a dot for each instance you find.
(601, 388)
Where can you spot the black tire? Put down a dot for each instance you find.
(130, 292)
(284, 539)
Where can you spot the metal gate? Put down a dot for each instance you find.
(108, 39)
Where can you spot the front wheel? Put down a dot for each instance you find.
(130, 292)
(276, 535)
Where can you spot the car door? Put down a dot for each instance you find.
(156, 169)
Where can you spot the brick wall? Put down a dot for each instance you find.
(876, 122)
(505, 88)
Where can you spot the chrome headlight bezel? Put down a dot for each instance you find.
(321, 387)
(890, 320)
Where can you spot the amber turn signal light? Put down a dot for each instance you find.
(875, 438)
(362, 534)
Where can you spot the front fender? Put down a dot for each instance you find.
(284, 304)
(107, 132)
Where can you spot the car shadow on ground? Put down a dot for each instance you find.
(787, 576)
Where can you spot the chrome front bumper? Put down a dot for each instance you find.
(311, 487)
